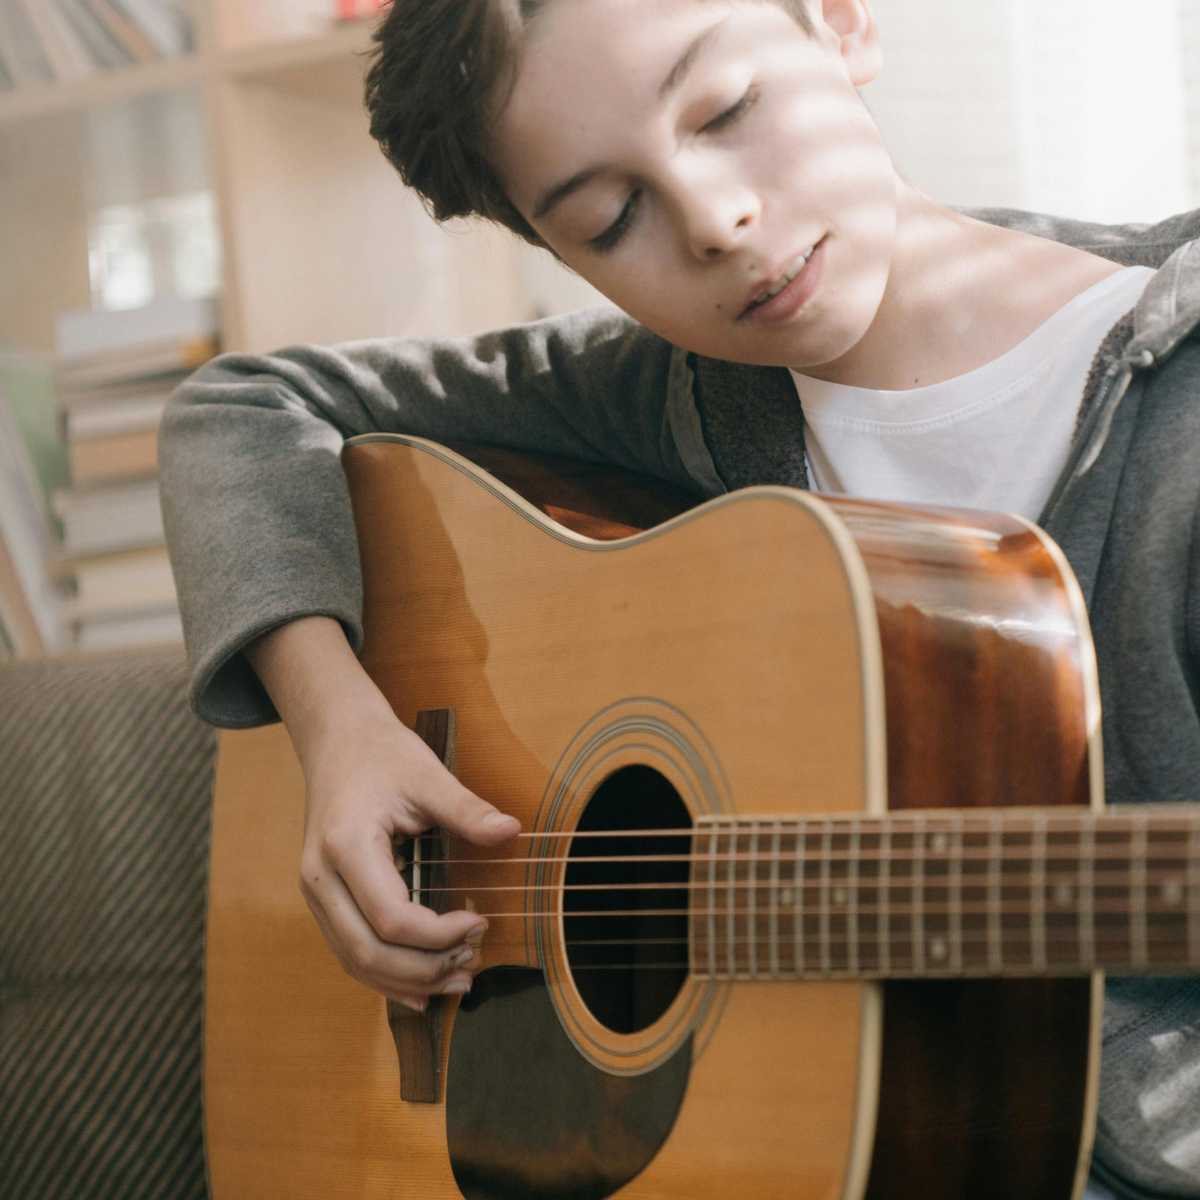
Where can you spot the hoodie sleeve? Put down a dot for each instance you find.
(255, 502)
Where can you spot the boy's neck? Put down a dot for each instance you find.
(960, 294)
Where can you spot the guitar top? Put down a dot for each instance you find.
(814, 884)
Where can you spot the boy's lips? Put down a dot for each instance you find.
(779, 296)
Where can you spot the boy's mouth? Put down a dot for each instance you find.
(765, 291)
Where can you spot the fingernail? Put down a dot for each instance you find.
(474, 935)
(457, 987)
(498, 820)
(415, 1005)
(462, 956)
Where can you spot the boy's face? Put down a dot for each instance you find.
(701, 179)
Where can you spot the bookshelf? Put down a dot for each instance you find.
(280, 87)
(319, 240)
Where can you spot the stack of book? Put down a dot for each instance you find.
(30, 466)
(115, 372)
(43, 41)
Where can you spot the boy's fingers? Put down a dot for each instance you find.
(375, 888)
(396, 970)
(462, 812)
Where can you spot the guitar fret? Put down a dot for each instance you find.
(1087, 892)
(714, 844)
(995, 945)
(798, 901)
(956, 899)
(918, 892)
(826, 850)
(731, 907)
(773, 921)
(1037, 893)
(1137, 899)
(1193, 890)
(852, 896)
(752, 902)
(885, 887)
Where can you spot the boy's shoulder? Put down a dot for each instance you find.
(1131, 244)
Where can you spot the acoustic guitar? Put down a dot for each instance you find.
(815, 885)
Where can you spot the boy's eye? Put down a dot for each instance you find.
(617, 230)
(730, 115)
(612, 236)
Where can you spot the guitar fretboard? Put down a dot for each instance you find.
(1004, 892)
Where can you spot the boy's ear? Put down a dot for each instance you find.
(854, 25)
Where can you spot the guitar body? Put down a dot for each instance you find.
(767, 655)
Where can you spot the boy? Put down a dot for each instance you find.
(799, 314)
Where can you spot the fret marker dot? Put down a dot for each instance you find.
(839, 895)
(1063, 894)
(939, 843)
(1172, 892)
(937, 948)
(786, 897)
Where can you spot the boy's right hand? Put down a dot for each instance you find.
(370, 779)
(367, 786)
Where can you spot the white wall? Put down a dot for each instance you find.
(1089, 108)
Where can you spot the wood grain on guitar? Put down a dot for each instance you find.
(815, 883)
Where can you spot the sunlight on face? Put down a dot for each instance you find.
(683, 157)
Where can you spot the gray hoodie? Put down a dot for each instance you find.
(259, 524)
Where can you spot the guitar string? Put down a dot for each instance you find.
(1065, 949)
(1182, 854)
(1009, 879)
(845, 912)
(1061, 951)
(1103, 853)
(743, 826)
(899, 939)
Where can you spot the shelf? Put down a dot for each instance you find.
(285, 62)
(294, 64)
(104, 87)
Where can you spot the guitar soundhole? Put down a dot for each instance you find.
(626, 900)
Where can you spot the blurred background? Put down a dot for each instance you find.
(183, 176)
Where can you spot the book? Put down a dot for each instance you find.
(130, 35)
(18, 625)
(23, 51)
(101, 349)
(110, 517)
(109, 420)
(106, 51)
(8, 649)
(86, 335)
(68, 56)
(27, 380)
(166, 26)
(120, 582)
(356, 10)
(146, 364)
(118, 456)
(8, 77)
(29, 601)
(151, 628)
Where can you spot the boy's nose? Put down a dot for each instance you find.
(718, 221)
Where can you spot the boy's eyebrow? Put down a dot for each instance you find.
(673, 82)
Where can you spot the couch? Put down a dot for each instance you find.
(105, 794)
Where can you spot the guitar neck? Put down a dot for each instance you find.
(1011, 892)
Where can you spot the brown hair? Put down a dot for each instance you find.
(440, 69)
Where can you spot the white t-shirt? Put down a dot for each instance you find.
(995, 438)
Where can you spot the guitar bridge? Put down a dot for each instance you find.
(421, 862)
